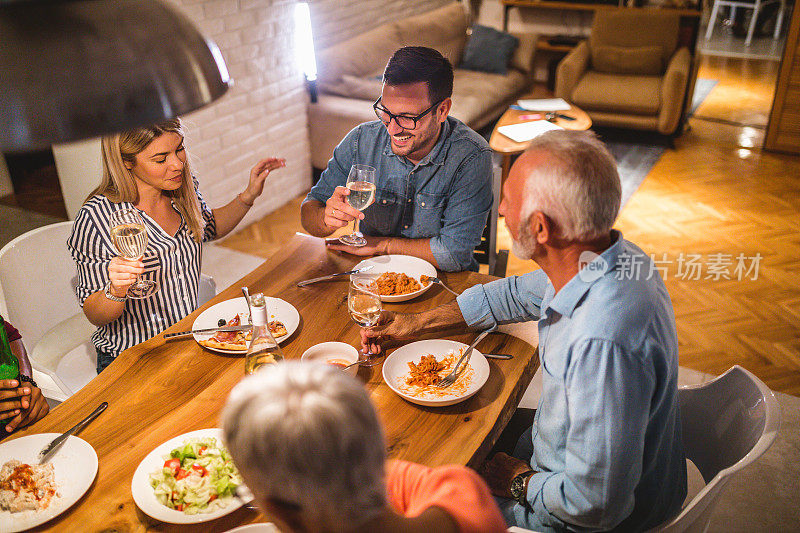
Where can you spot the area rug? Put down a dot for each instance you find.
(637, 152)
(702, 88)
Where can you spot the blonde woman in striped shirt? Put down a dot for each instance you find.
(147, 168)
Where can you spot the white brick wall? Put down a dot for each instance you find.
(263, 114)
(265, 111)
(335, 21)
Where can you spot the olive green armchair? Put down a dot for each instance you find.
(631, 72)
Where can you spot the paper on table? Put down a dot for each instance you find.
(544, 104)
(525, 131)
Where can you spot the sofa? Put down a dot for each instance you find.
(629, 79)
(349, 76)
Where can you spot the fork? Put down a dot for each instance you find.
(450, 378)
(440, 282)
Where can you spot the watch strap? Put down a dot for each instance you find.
(518, 486)
(107, 292)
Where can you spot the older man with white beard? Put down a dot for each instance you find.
(604, 451)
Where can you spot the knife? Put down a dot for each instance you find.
(497, 356)
(331, 276)
(56, 443)
(168, 336)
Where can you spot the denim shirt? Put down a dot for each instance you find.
(606, 440)
(445, 197)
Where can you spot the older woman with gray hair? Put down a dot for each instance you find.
(309, 445)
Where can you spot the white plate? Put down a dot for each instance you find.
(277, 309)
(395, 370)
(333, 350)
(410, 266)
(74, 467)
(145, 496)
(261, 527)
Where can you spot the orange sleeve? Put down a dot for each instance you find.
(461, 492)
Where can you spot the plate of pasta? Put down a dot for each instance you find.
(400, 277)
(413, 370)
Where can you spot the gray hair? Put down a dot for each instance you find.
(305, 433)
(578, 188)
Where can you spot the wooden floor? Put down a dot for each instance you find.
(716, 193)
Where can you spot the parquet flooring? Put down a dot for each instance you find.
(717, 192)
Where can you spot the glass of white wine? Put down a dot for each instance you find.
(364, 304)
(361, 182)
(129, 236)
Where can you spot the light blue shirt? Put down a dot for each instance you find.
(606, 441)
(445, 197)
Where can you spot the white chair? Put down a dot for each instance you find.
(727, 424)
(36, 275)
(38, 278)
(756, 6)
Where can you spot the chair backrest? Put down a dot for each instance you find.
(636, 28)
(36, 273)
(486, 252)
(727, 424)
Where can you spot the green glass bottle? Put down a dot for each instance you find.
(9, 365)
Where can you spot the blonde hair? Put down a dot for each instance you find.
(119, 185)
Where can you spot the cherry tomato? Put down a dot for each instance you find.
(181, 473)
(173, 464)
(200, 470)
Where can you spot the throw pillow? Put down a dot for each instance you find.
(642, 60)
(488, 50)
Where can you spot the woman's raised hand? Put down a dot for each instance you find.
(258, 175)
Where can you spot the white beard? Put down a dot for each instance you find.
(519, 250)
(526, 245)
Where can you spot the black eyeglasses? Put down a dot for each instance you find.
(404, 121)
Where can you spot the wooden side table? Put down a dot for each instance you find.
(507, 148)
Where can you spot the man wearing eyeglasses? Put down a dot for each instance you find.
(433, 173)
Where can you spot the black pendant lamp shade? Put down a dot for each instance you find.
(73, 69)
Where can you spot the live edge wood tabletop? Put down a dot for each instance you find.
(158, 390)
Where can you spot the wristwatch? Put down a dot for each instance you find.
(107, 292)
(518, 487)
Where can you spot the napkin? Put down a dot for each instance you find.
(525, 131)
(544, 104)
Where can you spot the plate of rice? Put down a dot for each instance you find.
(30, 493)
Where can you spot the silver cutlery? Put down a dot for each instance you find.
(56, 443)
(497, 356)
(331, 276)
(168, 336)
(440, 282)
(450, 378)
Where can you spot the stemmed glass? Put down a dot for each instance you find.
(129, 236)
(364, 304)
(361, 182)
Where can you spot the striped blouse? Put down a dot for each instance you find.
(173, 262)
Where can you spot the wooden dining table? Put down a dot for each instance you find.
(161, 389)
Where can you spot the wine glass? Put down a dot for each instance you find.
(361, 182)
(364, 304)
(129, 236)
